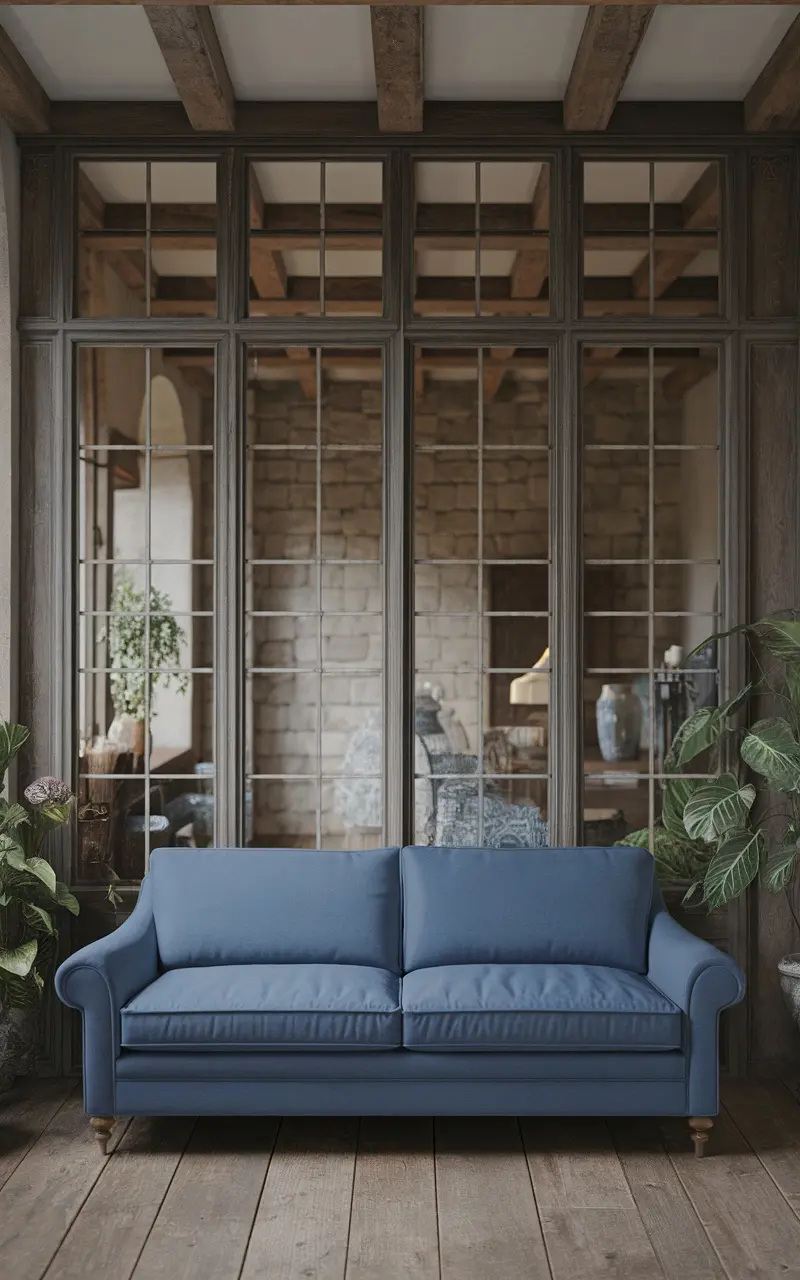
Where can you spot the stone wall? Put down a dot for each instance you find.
(282, 523)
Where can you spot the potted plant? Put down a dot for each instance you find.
(132, 652)
(707, 835)
(30, 899)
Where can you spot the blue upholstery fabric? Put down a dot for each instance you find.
(702, 981)
(526, 906)
(277, 906)
(398, 1065)
(98, 980)
(267, 1006)
(505, 1007)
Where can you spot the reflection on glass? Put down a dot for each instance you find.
(652, 570)
(314, 634)
(651, 238)
(482, 237)
(145, 601)
(316, 237)
(146, 238)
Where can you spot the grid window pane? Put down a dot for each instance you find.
(314, 636)
(316, 238)
(147, 238)
(145, 686)
(481, 596)
(650, 238)
(481, 242)
(651, 571)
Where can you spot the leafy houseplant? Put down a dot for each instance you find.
(134, 648)
(706, 834)
(30, 897)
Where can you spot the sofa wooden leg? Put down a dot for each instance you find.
(700, 1126)
(102, 1127)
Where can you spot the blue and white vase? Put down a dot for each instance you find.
(619, 722)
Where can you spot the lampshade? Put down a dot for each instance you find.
(533, 688)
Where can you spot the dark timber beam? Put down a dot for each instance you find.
(397, 44)
(188, 40)
(24, 105)
(609, 44)
(594, 3)
(774, 100)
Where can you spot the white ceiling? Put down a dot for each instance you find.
(510, 52)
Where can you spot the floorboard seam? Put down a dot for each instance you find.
(34, 1140)
(105, 1160)
(757, 1157)
(542, 1232)
(352, 1197)
(615, 1148)
(687, 1193)
(436, 1195)
(260, 1196)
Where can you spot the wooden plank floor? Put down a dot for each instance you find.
(385, 1199)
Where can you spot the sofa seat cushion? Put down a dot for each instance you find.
(489, 1007)
(266, 1006)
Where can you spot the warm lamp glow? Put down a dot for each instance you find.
(533, 688)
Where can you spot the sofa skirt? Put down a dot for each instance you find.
(401, 1083)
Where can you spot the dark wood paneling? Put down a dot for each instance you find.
(773, 235)
(775, 585)
(36, 274)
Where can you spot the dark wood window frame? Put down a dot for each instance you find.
(756, 309)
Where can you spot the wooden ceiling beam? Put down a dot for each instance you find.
(397, 45)
(773, 102)
(426, 3)
(24, 105)
(188, 40)
(610, 41)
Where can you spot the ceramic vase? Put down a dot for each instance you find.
(619, 722)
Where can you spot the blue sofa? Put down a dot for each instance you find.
(400, 982)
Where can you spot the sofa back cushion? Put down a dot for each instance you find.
(526, 906)
(277, 906)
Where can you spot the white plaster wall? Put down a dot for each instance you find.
(9, 280)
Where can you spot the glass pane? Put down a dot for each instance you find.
(514, 237)
(284, 813)
(442, 638)
(316, 501)
(285, 242)
(112, 244)
(446, 505)
(515, 505)
(445, 237)
(651, 242)
(446, 397)
(516, 397)
(651, 592)
(353, 238)
(183, 246)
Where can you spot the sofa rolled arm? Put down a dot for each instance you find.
(702, 981)
(98, 980)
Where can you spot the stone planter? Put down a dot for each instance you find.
(789, 970)
(19, 1041)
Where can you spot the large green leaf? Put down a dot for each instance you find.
(43, 871)
(67, 900)
(733, 867)
(19, 960)
(677, 794)
(781, 866)
(12, 737)
(12, 855)
(771, 749)
(697, 734)
(11, 816)
(675, 859)
(718, 807)
(38, 918)
(736, 702)
(782, 638)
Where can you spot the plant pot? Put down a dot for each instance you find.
(19, 1042)
(619, 722)
(789, 970)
